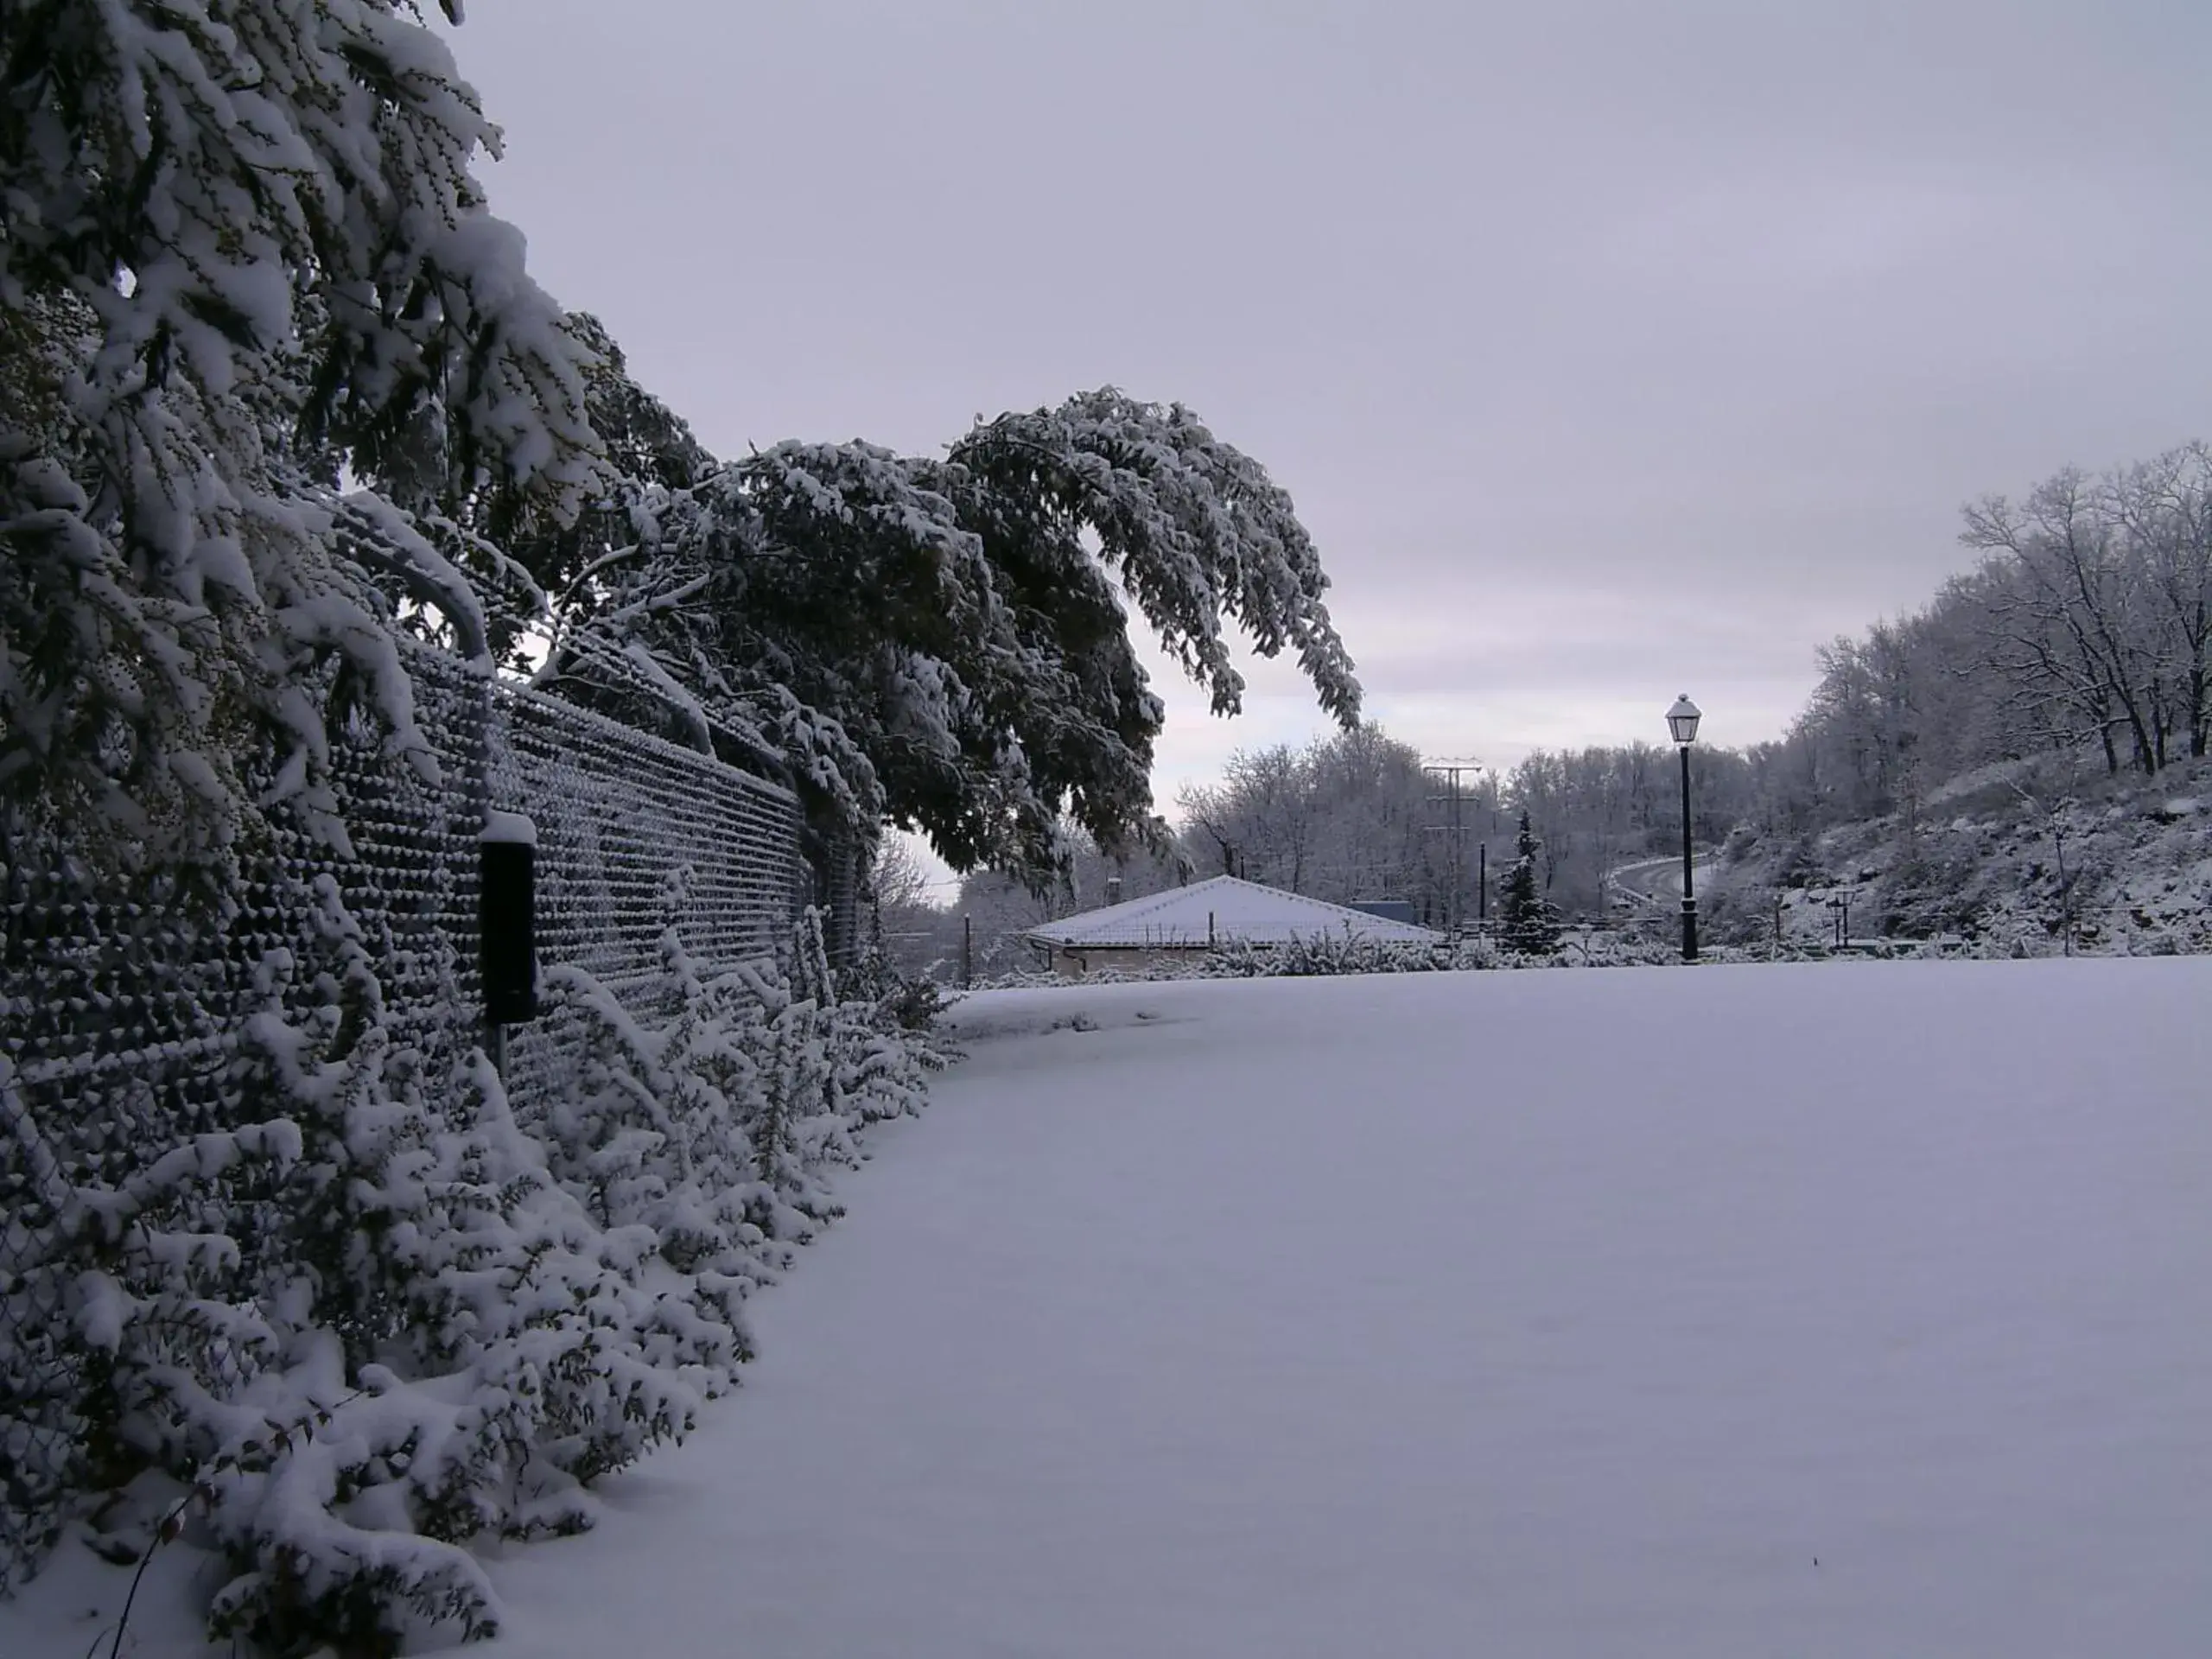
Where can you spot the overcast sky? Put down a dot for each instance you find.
(1609, 350)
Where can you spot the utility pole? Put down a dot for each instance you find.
(1455, 827)
(2065, 887)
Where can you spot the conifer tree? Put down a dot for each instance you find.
(1527, 920)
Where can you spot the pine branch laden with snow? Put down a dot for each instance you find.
(244, 248)
(1195, 530)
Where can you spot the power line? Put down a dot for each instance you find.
(1451, 769)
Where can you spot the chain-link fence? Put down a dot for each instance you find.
(123, 998)
(635, 836)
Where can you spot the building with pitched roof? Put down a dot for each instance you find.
(1169, 926)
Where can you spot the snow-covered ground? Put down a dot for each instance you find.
(1851, 1310)
(1857, 1309)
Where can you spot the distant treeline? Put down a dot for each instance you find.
(2086, 627)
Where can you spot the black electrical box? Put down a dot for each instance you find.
(509, 921)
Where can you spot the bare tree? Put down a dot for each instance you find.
(1346, 817)
(2164, 508)
(2068, 631)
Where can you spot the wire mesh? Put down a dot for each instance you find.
(636, 836)
(122, 999)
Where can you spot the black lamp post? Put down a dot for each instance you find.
(1681, 721)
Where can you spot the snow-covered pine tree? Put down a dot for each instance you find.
(1526, 920)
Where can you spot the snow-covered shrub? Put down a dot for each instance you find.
(364, 1316)
(714, 1127)
(1324, 953)
(492, 1322)
(376, 1250)
(1592, 948)
(661, 1125)
(1930, 888)
(123, 1303)
(880, 1035)
(911, 1001)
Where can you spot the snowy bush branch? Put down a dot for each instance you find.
(378, 1318)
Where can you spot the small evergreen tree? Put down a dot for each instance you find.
(1527, 920)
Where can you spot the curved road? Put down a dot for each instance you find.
(1655, 881)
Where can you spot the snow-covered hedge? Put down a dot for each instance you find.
(716, 1130)
(1325, 953)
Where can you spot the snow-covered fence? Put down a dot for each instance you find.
(635, 835)
(123, 1002)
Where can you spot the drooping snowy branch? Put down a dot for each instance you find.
(1195, 530)
(958, 624)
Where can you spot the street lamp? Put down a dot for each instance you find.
(1681, 721)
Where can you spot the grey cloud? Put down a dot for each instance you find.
(1650, 345)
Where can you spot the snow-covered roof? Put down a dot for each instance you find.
(1224, 910)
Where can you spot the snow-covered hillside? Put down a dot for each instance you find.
(1826, 1311)
(2005, 858)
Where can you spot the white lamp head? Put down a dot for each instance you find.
(1682, 719)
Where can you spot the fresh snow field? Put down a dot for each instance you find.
(1857, 1309)
(1843, 1309)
